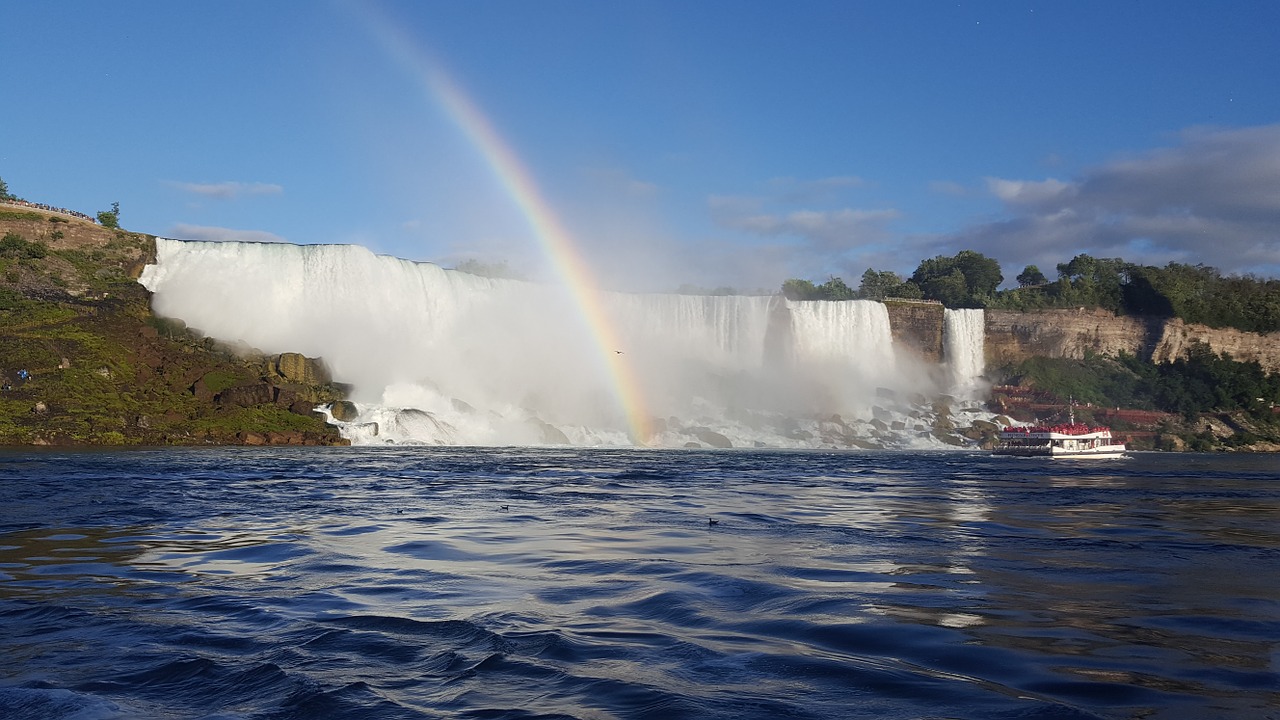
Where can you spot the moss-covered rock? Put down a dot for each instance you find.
(84, 360)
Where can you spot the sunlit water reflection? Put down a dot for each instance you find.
(520, 583)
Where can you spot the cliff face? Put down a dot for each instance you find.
(1177, 336)
(1012, 337)
(1015, 336)
(83, 361)
(917, 328)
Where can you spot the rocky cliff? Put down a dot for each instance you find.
(917, 328)
(83, 361)
(1015, 336)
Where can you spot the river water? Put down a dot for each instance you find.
(588, 583)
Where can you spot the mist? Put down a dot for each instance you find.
(445, 357)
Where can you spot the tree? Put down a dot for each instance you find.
(967, 280)
(795, 289)
(1031, 276)
(110, 218)
(949, 289)
(1088, 280)
(835, 289)
(878, 285)
(4, 192)
(981, 274)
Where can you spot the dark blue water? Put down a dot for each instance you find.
(550, 583)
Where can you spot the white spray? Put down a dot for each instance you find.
(440, 356)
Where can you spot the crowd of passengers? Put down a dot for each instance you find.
(50, 208)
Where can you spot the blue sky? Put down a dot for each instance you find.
(708, 142)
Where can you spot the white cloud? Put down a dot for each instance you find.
(184, 231)
(229, 190)
(1213, 197)
(1028, 192)
(803, 228)
(835, 228)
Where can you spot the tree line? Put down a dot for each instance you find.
(1196, 293)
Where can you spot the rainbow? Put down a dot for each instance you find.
(556, 242)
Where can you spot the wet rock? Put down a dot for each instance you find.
(344, 410)
(551, 435)
(307, 408)
(285, 437)
(713, 438)
(246, 395)
(251, 438)
(302, 370)
(201, 389)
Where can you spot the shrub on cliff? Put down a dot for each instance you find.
(1202, 382)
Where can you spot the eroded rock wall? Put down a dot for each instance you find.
(1015, 336)
(917, 328)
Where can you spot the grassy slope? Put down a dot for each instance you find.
(104, 370)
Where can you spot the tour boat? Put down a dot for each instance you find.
(1059, 441)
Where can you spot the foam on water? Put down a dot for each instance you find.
(437, 356)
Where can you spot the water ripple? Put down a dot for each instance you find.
(283, 584)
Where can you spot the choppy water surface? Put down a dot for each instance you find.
(552, 583)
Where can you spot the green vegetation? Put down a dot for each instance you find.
(83, 360)
(968, 279)
(1194, 293)
(1200, 383)
(14, 246)
(110, 218)
(885, 284)
(5, 195)
(7, 214)
(832, 289)
(1031, 277)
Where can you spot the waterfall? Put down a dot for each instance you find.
(964, 347)
(441, 356)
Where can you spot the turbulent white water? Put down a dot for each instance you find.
(963, 335)
(445, 357)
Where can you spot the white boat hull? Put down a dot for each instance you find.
(1110, 452)
(1062, 441)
